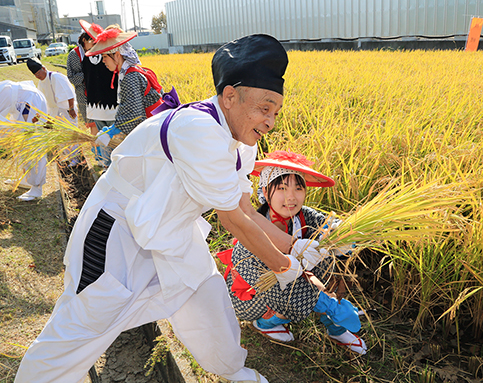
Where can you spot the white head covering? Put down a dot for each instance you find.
(9, 97)
(268, 174)
(130, 56)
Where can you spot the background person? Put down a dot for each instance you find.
(59, 93)
(76, 75)
(101, 86)
(139, 92)
(282, 190)
(18, 100)
(138, 251)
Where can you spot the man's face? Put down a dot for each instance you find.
(251, 113)
(41, 74)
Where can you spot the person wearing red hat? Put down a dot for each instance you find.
(91, 76)
(139, 92)
(284, 177)
(138, 251)
(76, 75)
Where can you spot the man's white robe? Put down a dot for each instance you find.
(158, 264)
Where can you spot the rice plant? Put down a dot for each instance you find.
(383, 118)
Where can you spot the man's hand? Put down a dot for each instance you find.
(72, 113)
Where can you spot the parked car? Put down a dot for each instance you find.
(7, 52)
(55, 49)
(26, 49)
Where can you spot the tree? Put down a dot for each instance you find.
(158, 23)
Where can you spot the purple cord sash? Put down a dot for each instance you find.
(171, 101)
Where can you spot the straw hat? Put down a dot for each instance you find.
(110, 39)
(91, 29)
(296, 162)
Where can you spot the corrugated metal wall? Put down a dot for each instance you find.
(194, 22)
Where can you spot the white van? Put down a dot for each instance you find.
(26, 49)
(7, 52)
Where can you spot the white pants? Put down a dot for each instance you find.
(37, 175)
(206, 324)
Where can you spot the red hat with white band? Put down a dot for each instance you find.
(91, 29)
(296, 163)
(109, 40)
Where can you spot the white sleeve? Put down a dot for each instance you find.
(202, 159)
(248, 155)
(63, 89)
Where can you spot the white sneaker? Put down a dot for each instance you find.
(352, 341)
(35, 192)
(22, 184)
(279, 333)
(260, 378)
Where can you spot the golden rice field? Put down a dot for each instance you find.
(374, 117)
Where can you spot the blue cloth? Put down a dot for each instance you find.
(332, 328)
(271, 322)
(111, 130)
(342, 314)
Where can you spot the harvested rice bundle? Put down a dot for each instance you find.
(27, 143)
(397, 213)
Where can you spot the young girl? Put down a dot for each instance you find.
(282, 190)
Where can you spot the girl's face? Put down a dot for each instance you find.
(287, 197)
(112, 61)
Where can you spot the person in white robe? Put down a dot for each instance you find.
(138, 250)
(20, 101)
(59, 93)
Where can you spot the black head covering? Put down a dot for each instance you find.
(34, 65)
(257, 61)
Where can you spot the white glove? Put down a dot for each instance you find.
(291, 274)
(331, 225)
(307, 249)
(102, 138)
(345, 250)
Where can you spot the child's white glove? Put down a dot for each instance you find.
(291, 274)
(102, 138)
(343, 251)
(308, 249)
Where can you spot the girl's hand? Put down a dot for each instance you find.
(307, 250)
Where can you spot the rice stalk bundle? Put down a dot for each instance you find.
(27, 143)
(405, 212)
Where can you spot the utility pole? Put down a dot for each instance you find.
(139, 17)
(133, 15)
(123, 16)
(52, 21)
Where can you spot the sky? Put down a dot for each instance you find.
(147, 9)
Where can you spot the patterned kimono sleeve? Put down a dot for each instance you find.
(247, 264)
(313, 220)
(74, 69)
(130, 112)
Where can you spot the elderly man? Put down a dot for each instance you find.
(21, 101)
(59, 93)
(138, 251)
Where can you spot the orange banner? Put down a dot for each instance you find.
(474, 35)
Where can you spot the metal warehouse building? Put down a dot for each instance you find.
(199, 22)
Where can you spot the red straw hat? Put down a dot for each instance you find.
(91, 29)
(293, 161)
(110, 39)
